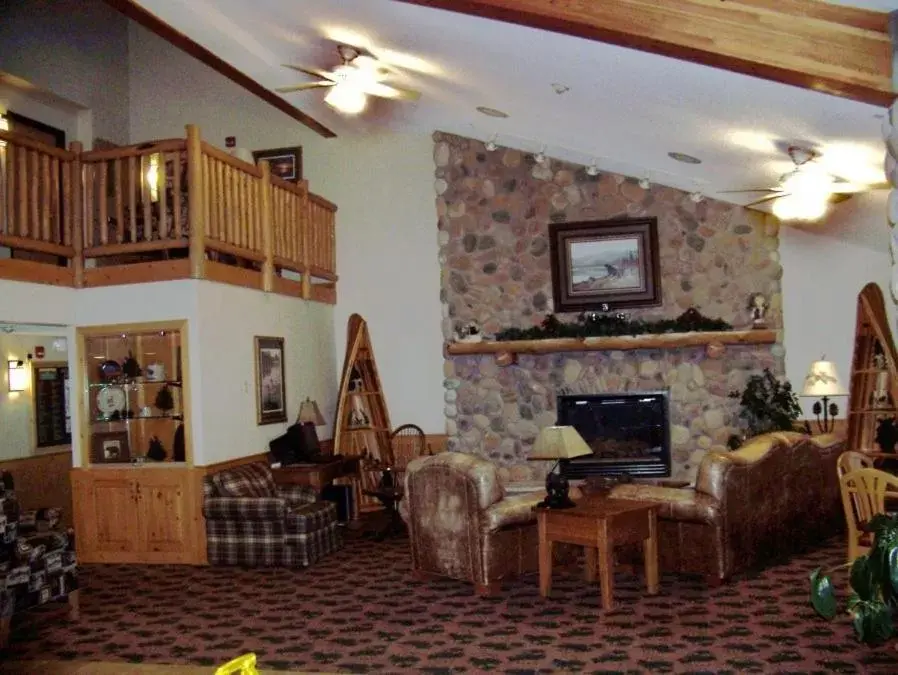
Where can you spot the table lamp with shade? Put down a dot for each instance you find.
(310, 417)
(822, 380)
(558, 443)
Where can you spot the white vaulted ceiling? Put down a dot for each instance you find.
(625, 109)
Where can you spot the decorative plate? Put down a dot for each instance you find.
(111, 399)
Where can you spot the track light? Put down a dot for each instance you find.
(592, 169)
(645, 183)
(540, 157)
(490, 145)
(696, 197)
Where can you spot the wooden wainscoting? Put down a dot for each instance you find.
(43, 480)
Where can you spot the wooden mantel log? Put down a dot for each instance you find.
(619, 342)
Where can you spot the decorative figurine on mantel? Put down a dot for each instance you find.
(757, 307)
(469, 332)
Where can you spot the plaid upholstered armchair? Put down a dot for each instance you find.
(37, 559)
(254, 522)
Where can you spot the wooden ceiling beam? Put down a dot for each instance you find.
(156, 25)
(844, 51)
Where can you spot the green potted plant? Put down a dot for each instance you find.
(874, 585)
(767, 405)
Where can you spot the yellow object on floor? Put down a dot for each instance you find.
(242, 665)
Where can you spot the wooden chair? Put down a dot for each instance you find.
(406, 443)
(864, 493)
(852, 460)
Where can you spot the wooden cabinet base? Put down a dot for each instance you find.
(139, 515)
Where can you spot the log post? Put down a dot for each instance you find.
(267, 234)
(75, 201)
(195, 208)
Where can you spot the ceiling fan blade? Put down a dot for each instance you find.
(314, 72)
(763, 200)
(304, 87)
(726, 192)
(386, 91)
(838, 197)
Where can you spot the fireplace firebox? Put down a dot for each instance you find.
(628, 433)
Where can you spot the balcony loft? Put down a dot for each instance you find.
(158, 211)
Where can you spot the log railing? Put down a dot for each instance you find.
(134, 200)
(177, 207)
(39, 200)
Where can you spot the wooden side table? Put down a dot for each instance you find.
(599, 523)
(317, 476)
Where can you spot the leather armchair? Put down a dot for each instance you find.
(776, 494)
(462, 525)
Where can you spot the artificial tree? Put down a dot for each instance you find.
(874, 584)
(768, 404)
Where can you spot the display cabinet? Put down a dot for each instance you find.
(135, 494)
(133, 390)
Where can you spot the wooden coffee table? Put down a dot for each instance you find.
(598, 524)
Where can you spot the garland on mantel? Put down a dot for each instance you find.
(593, 324)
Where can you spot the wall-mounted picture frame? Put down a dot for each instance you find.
(110, 447)
(271, 388)
(605, 264)
(286, 163)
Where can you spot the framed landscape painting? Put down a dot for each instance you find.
(285, 163)
(605, 264)
(271, 391)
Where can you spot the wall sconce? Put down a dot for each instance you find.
(152, 177)
(18, 375)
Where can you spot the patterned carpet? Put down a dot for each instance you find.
(359, 611)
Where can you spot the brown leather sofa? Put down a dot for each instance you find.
(776, 494)
(462, 525)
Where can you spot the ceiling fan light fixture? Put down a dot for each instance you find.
(347, 99)
(799, 207)
(592, 169)
(645, 183)
(491, 145)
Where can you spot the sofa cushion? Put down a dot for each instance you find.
(683, 504)
(248, 480)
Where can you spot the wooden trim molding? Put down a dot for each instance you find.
(839, 50)
(156, 25)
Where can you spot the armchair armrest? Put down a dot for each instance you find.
(676, 503)
(244, 508)
(297, 495)
(513, 510)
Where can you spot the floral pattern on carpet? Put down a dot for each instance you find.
(359, 611)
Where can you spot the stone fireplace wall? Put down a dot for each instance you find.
(494, 211)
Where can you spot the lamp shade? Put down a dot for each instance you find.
(309, 412)
(559, 443)
(823, 380)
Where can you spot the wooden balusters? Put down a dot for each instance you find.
(75, 208)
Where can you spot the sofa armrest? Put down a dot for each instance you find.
(512, 510)
(297, 495)
(244, 508)
(684, 504)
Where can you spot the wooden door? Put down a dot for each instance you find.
(165, 516)
(106, 522)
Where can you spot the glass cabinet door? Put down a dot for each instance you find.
(134, 396)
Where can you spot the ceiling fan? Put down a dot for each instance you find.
(809, 184)
(359, 75)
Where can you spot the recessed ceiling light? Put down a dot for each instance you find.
(682, 157)
(491, 112)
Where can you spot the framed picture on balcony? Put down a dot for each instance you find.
(271, 393)
(605, 264)
(286, 163)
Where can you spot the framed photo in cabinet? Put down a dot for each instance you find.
(110, 447)
(271, 391)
